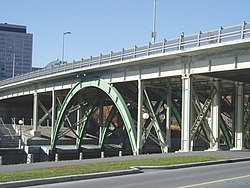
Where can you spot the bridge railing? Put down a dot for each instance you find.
(221, 35)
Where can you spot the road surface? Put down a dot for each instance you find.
(223, 175)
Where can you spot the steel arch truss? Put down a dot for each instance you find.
(119, 105)
(152, 128)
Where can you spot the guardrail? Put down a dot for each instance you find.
(182, 43)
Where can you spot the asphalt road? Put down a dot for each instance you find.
(223, 175)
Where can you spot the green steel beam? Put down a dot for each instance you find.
(201, 112)
(174, 108)
(114, 96)
(226, 133)
(154, 120)
(84, 121)
(159, 133)
(177, 109)
(223, 127)
(176, 113)
(105, 127)
(246, 129)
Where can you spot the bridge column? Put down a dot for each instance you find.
(101, 117)
(168, 116)
(139, 117)
(215, 117)
(239, 115)
(79, 116)
(35, 132)
(53, 111)
(187, 117)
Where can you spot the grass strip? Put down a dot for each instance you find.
(98, 167)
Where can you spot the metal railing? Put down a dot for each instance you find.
(183, 43)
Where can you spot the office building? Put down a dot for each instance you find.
(15, 50)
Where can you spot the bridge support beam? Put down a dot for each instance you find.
(187, 117)
(34, 131)
(239, 115)
(168, 116)
(215, 117)
(53, 119)
(101, 118)
(79, 115)
(139, 117)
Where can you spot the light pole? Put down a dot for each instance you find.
(20, 122)
(65, 33)
(154, 24)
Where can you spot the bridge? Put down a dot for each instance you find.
(184, 94)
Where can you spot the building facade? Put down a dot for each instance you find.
(15, 50)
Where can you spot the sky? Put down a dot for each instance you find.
(102, 26)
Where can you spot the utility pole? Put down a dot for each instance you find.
(154, 24)
(66, 33)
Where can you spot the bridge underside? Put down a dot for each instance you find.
(192, 112)
(194, 99)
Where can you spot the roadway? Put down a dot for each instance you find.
(223, 175)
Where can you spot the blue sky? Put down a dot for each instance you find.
(101, 26)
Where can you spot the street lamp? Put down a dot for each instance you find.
(145, 115)
(20, 122)
(65, 33)
(154, 24)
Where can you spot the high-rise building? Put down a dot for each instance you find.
(15, 50)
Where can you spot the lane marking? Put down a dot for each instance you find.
(216, 181)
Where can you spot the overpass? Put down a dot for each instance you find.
(137, 97)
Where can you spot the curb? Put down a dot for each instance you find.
(68, 178)
(169, 167)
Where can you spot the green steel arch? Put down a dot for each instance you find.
(114, 96)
